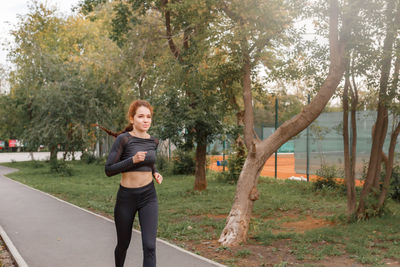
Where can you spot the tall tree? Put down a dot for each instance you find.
(191, 105)
(64, 78)
(236, 228)
(386, 95)
(350, 153)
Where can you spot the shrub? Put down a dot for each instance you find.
(88, 157)
(163, 164)
(326, 177)
(183, 162)
(394, 190)
(101, 160)
(60, 167)
(37, 164)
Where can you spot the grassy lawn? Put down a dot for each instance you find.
(291, 225)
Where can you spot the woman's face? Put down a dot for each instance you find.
(142, 119)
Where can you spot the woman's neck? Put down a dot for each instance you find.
(141, 134)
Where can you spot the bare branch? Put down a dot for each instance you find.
(171, 43)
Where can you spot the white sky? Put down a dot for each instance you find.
(8, 17)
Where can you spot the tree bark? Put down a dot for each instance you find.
(354, 104)
(373, 173)
(247, 100)
(348, 161)
(377, 177)
(174, 50)
(237, 225)
(200, 182)
(389, 167)
(53, 153)
(393, 140)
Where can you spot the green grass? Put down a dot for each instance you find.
(185, 215)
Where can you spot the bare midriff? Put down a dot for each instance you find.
(136, 179)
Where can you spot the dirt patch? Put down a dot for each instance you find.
(338, 261)
(254, 255)
(241, 256)
(217, 217)
(5, 257)
(301, 226)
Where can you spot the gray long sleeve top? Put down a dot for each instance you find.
(124, 148)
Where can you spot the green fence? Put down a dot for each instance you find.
(325, 142)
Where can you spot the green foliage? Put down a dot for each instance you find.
(101, 160)
(183, 162)
(394, 190)
(10, 125)
(235, 163)
(60, 167)
(164, 165)
(37, 164)
(88, 6)
(395, 184)
(88, 157)
(326, 177)
(371, 204)
(72, 83)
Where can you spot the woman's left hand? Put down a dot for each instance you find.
(158, 177)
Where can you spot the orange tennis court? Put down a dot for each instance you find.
(285, 167)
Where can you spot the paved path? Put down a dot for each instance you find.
(49, 232)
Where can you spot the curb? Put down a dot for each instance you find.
(12, 249)
(107, 219)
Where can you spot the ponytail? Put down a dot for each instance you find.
(128, 128)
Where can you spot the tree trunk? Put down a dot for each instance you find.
(238, 219)
(200, 182)
(354, 104)
(53, 153)
(379, 133)
(348, 162)
(377, 178)
(375, 159)
(389, 167)
(237, 224)
(247, 100)
(393, 139)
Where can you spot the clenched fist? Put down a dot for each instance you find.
(139, 156)
(158, 177)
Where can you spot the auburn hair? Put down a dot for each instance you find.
(131, 113)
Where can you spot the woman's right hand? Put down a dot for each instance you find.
(139, 156)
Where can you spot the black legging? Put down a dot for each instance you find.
(129, 201)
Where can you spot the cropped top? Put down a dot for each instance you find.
(124, 148)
